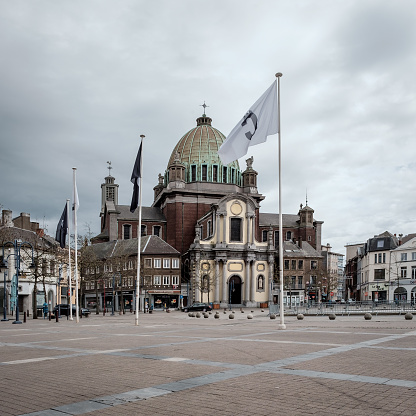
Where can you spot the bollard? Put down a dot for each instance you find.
(24, 317)
(27, 313)
(56, 316)
(49, 315)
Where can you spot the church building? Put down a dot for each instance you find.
(211, 214)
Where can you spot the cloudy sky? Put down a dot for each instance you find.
(81, 80)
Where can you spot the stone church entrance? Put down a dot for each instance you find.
(234, 290)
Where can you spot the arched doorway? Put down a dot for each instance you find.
(234, 290)
(400, 294)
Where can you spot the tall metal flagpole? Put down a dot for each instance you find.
(69, 274)
(139, 234)
(282, 311)
(74, 170)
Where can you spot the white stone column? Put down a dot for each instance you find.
(253, 281)
(253, 218)
(197, 279)
(224, 282)
(248, 216)
(217, 225)
(217, 282)
(247, 282)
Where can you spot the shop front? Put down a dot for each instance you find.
(164, 299)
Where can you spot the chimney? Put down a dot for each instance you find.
(7, 218)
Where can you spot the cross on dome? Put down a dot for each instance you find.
(205, 106)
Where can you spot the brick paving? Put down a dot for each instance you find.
(175, 364)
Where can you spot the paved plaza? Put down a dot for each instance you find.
(173, 364)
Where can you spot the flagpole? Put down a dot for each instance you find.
(139, 235)
(282, 312)
(69, 275)
(74, 170)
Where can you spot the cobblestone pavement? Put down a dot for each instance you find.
(175, 364)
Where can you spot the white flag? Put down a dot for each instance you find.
(259, 122)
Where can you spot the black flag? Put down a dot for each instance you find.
(62, 228)
(136, 174)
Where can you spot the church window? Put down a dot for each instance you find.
(264, 235)
(193, 173)
(215, 173)
(224, 174)
(156, 230)
(276, 238)
(126, 231)
(235, 229)
(204, 173)
(144, 230)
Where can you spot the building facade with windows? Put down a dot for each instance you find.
(210, 213)
(35, 285)
(383, 269)
(109, 275)
(402, 279)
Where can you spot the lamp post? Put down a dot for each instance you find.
(17, 245)
(4, 265)
(59, 291)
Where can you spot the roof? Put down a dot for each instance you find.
(291, 249)
(150, 244)
(289, 220)
(382, 242)
(148, 213)
(13, 233)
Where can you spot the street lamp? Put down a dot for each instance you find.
(3, 265)
(17, 245)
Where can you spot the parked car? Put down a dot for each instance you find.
(199, 307)
(64, 310)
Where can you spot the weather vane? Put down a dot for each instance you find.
(109, 167)
(204, 105)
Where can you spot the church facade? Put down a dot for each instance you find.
(211, 214)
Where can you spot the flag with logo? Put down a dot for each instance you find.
(258, 123)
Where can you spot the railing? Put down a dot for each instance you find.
(356, 308)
